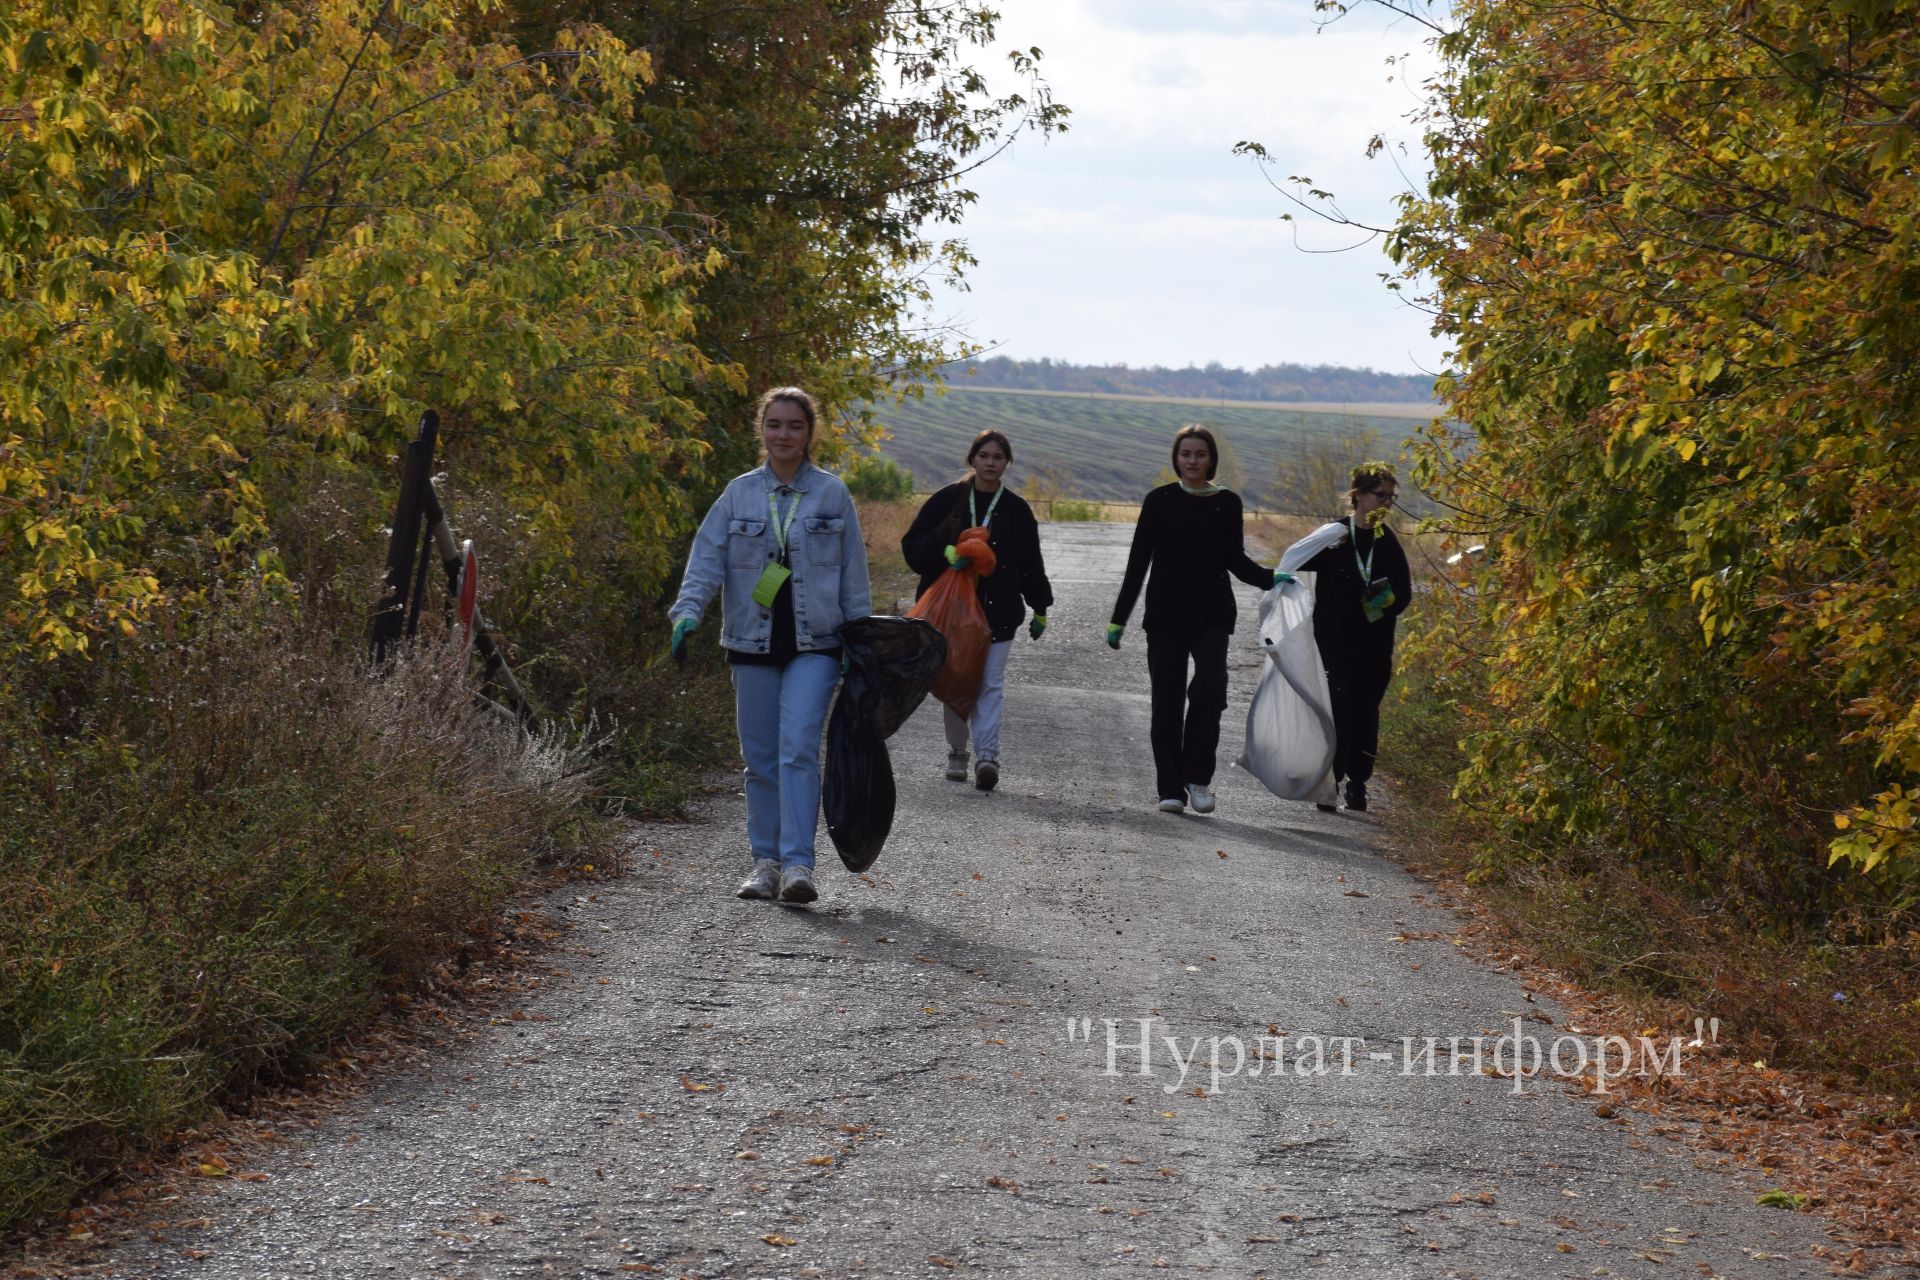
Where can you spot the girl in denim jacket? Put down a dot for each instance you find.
(781, 547)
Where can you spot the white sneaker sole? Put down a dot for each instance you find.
(1172, 806)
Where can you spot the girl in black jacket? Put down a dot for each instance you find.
(1362, 585)
(1190, 533)
(1018, 581)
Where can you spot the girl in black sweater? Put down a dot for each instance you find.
(1019, 580)
(1362, 584)
(1190, 534)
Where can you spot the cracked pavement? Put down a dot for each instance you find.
(892, 1082)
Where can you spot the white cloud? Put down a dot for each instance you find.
(1139, 236)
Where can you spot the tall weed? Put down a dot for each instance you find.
(217, 851)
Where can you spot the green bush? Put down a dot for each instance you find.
(876, 478)
(1072, 510)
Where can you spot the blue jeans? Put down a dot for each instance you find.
(780, 712)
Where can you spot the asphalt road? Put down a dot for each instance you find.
(895, 1083)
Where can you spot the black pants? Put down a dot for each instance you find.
(1357, 683)
(1186, 717)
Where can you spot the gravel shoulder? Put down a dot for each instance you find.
(895, 1082)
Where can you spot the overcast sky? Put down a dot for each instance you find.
(1139, 236)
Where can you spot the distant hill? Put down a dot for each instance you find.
(1292, 458)
(1273, 384)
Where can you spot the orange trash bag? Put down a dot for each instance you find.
(952, 605)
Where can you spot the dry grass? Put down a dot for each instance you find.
(217, 858)
(882, 524)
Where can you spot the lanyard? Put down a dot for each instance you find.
(973, 515)
(782, 525)
(1365, 566)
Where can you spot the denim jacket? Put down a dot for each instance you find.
(736, 542)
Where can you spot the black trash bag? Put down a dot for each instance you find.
(858, 793)
(891, 664)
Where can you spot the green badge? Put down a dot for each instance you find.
(768, 587)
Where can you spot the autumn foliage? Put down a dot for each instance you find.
(242, 247)
(1675, 247)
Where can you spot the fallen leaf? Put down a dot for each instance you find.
(821, 1161)
(1223, 853)
(1357, 893)
(693, 1086)
(748, 1155)
(934, 1259)
(1561, 1246)
(779, 1241)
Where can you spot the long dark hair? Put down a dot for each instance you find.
(1194, 431)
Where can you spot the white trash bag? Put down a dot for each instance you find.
(1289, 745)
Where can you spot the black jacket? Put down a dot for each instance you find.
(1019, 574)
(1193, 541)
(1340, 624)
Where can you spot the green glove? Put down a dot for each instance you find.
(955, 559)
(1279, 577)
(1037, 627)
(678, 645)
(1114, 632)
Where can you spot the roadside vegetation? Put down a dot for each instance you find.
(1678, 699)
(244, 247)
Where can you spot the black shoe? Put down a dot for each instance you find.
(1356, 795)
(1327, 808)
(986, 775)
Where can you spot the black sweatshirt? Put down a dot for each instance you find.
(1193, 541)
(1019, 574)
(1339, 622)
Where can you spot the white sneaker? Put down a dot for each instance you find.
(763, 883)
(796, 884)
(1200, 798)
(1172, 805)
(956, 766)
